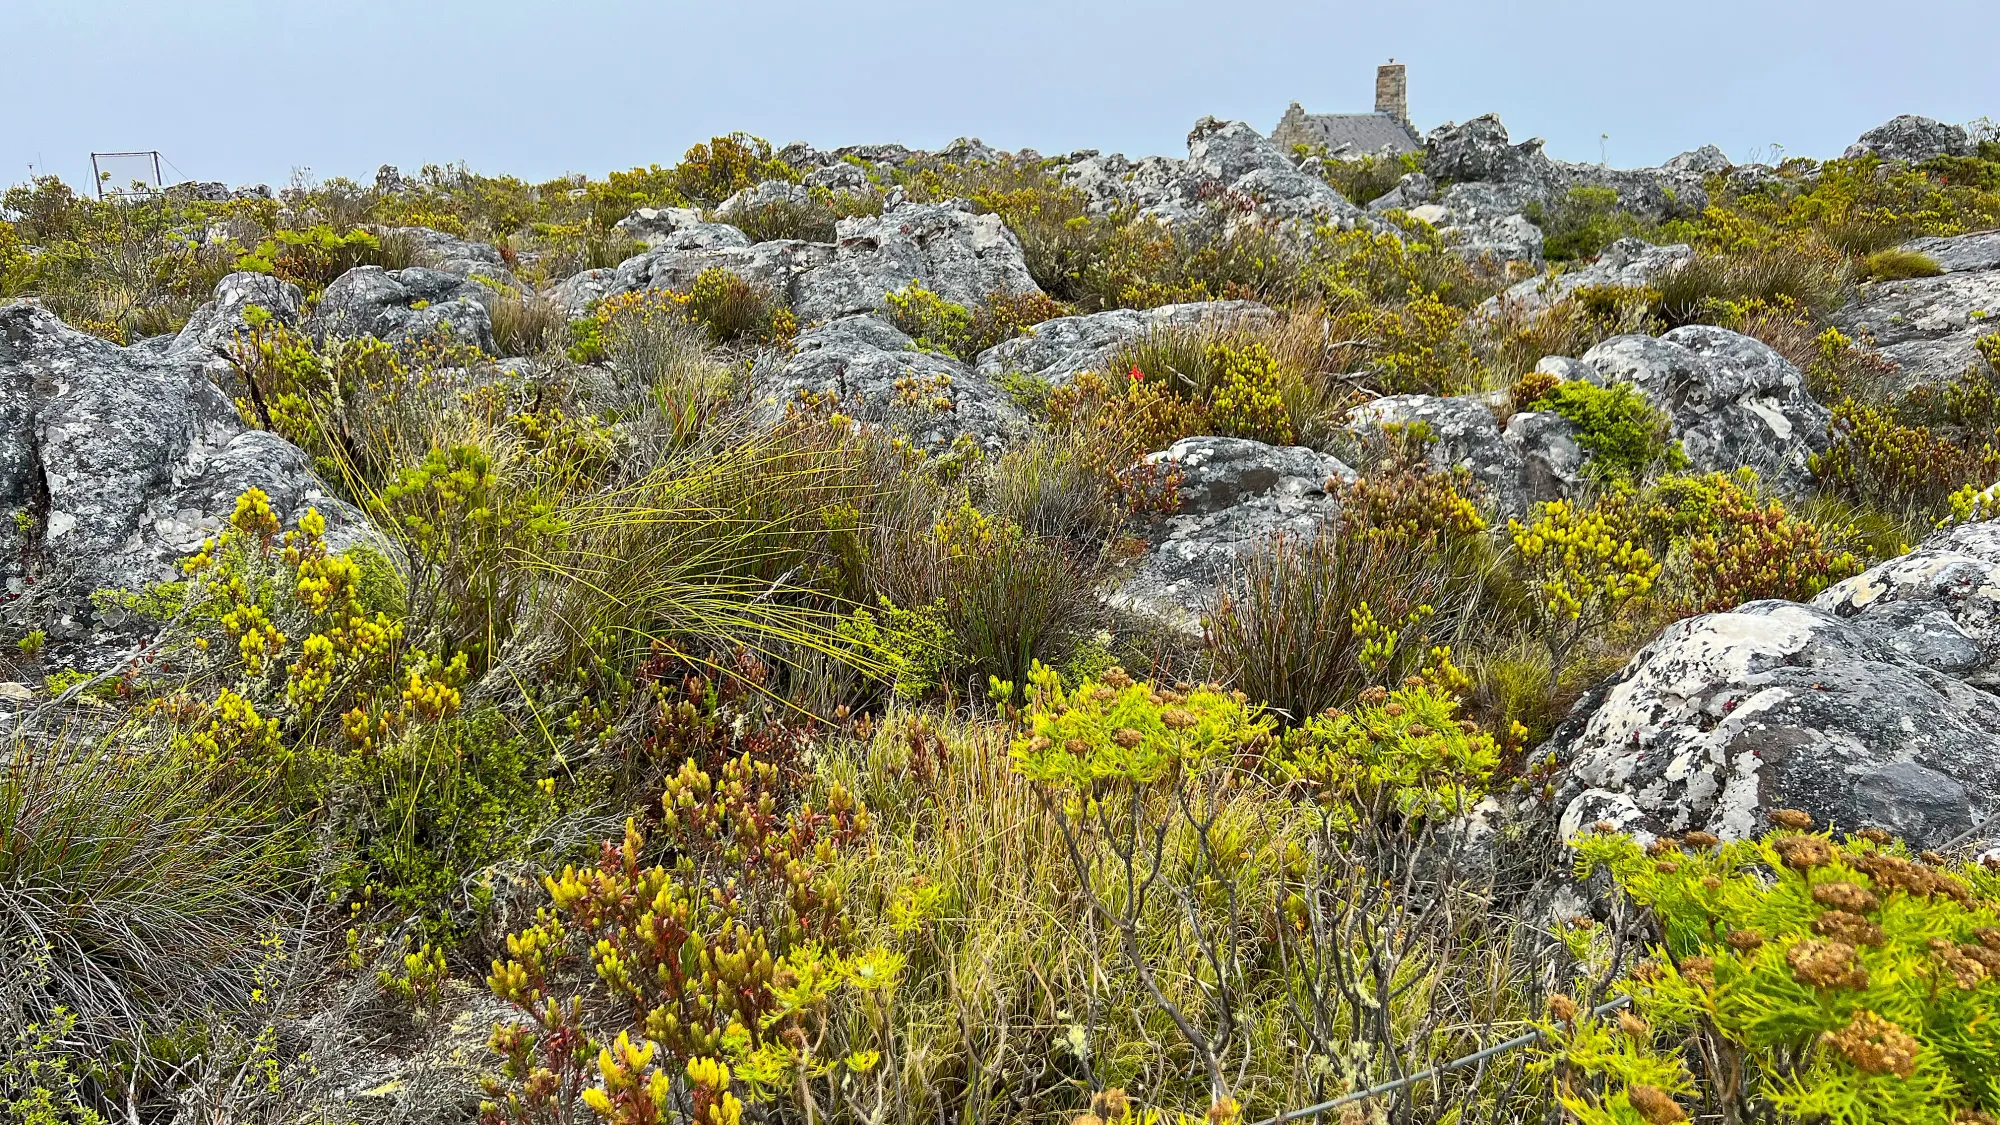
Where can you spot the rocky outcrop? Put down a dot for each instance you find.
(1929, 326)
(1781, 705)
(945, 248)
(210, 336)
(774, 267)
(1939, 605)
(770, 193)
(1733, 402)
(1235, 496)
(1913, 139)
(404, 307)
(652, 225)
(1629, 263)
(1056, 351)
(455, 255)
(122, 461)
(1534, 458)
(859, 362)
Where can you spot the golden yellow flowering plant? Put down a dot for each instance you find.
(1581, 567)
(1798, 977)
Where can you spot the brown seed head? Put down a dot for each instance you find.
(1604, 828)
(1790, 818)
(1655, 1105)
(1117, 677)
(1699, 970)
(1850, 928)
(1039, 743)
(1700, 839)
(1634, 1026)
(1666, 867)
(1077, 746)
(1845, 896)
(1111, 1105)
(1966, 971)
(1711, 882)
(1804, 852)
(1826, 964)
(1935, 859)
(1744, 940)
(1562, 1007)
(1178, 718)
(1875, 1046)
(1875, 835)
(1104, 695)
(1127, 737)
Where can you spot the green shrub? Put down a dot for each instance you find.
(1583, 223)
(949, 328)
(810, 222)
(1715, 287)
(1623, 433)
(712, 172)
(1795, 977)
(1581, 568)
(525, 324)
(1367, 602)
(1362, 179)
(314, 257)
(1899, 265)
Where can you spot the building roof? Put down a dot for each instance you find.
(1356, 132)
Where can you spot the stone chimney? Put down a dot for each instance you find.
(1392, 91)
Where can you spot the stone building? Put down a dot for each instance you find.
(1354, 134)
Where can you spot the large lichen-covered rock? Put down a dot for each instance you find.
(873, 372)
(1913, 139)
(115, 463)
(405, 306)
(1930, 326)
(770, 193)
(1056, 351)
(1780, 705)
(1938, 605)
(945, 248)
(652, 225)
(773, 267)
(1534, 458)
(1235, 496)
(1732, 400)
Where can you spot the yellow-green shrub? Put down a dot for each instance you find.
(1581, 567)
(1798, 976)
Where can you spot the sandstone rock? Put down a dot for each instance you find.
(577, 292)
(651, 225)
(1777, 704)
(125, 460)
(947, 249)
(1939, 605)
(1913, 139)
(838, 176)
(859, 360)
(1535, 458)
(208, 338)
(1414, 190)
(1236, 495)
(1707, 160)
(1928, 326)
(1732, 400)
(405, 306)
(1056, 351)
(454, 255)
(774, 267)
(770, 193)
(1629, 263)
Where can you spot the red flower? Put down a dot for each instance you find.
(1137, 374)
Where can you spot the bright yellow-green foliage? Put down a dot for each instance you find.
(933, 323)
(1422, 346)
(1406, 749)
(1827, 980)
(1740, 547)
(313, 257)
(40, 1081)
(1898, 265)
(1119, 731)
(1625, 436)
(1581, 566)
(1247, 397)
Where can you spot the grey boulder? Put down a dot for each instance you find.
(960, 256)
(212, 335)
(1056, 351)
(1775, 704)
(405, 307)
(122, 461)
(1929, 326)
(1629, 263)
(455, 255)
(1913, 139)
(873, 372)
(1938, 605)
(1236, 496)
(1733, 402)
(1534, 458)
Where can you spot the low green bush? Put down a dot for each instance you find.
(1626, 437)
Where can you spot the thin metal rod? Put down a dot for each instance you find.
(1515, 1043)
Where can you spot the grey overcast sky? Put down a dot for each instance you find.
(247, 90)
